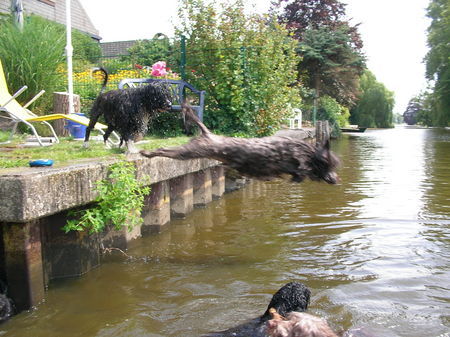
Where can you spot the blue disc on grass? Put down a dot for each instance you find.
(41, 162)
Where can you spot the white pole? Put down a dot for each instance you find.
(69, 54)
(18, 13)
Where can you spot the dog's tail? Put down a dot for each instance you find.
(189, 114)
(105, 76)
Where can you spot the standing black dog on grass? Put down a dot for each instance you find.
(262, 158)
(128, 111)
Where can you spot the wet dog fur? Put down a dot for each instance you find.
(293, 296)
(262, 158)
(6, 305)
(128, 111)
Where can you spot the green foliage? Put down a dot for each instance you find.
(148, 52)
(330, 63)
(114, 65)
(35, 57)
(119, 202)
(31, 57)
(246, 64)
(331, 110)
(330, 47)
(166, 124)
(438, 61)
(375, 104)
(422, 107)
(84, 47)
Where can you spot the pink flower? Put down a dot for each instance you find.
(159, 69)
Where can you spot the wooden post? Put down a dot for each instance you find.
(23, 263)
(61, 106)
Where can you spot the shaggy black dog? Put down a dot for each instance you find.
(262, 158)
(6, 307)
(128, 111)
(293, 296)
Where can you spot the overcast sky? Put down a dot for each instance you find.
(393, 31)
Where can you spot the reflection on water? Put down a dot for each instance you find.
(374, 250)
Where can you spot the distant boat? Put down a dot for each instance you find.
(353, 128)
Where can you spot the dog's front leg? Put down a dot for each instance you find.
(130, 147)
(175, 153)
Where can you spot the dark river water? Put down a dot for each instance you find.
(374, 250)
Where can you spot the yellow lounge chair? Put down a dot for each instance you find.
(20, 114)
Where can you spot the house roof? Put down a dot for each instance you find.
(55, 10)
(117, 48)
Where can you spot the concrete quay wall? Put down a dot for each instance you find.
(34, 206)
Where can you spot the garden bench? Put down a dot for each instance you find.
(181, 90)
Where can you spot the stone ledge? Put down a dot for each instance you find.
(32, 193)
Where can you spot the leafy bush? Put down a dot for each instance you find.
(35, 57)
(84, 47)
(148, 52)
(331, 110)
(246, 63)
(166, 124)
(119, 202)
(31, 57)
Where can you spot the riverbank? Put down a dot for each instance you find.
(35, 205)
(35, 202)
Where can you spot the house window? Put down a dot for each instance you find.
(48, 2)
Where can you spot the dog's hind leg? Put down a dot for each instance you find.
(130, 147)
(106, 135)
(95, 115)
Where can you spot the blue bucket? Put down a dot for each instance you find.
(76, 130)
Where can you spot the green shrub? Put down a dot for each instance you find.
(166, 124)
(119, 202)
(35, 57)
(246, 63)
(114, 65)
(148, 52)
(84, 47)
(31, 57)
(336, 114)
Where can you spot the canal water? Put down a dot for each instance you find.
(374, 250)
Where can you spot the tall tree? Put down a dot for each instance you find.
(438, 60)
(330, 47)
(375, 104)
(300, 15)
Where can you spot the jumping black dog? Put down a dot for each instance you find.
(262, 158)
(293, 296)
(128, 111)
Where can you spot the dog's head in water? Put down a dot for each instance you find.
(324, 164)
(317, 163)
